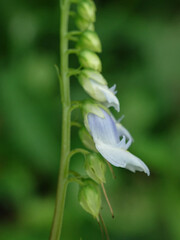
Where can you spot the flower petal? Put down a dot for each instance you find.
(111, 99)
(113, 89)
(103, 129)
(122, 131)
(120, 157)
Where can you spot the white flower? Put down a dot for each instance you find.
(96, 86)
(107, 141)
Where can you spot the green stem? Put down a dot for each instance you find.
(73, 51)
(75, 106)
(77, 150)
(66, 122)
(76, 124)
(73, 33)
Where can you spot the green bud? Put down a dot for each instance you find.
(83, 24)
(89, 40)
(90, 107)
(90, 198)
(95, 167)
(90, 60)
(87, 9)
(93, 83)
(86, 139)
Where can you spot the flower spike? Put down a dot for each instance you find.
(103, 136)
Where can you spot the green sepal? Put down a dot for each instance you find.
(87, 74)
(89, 197)
(95, 167)
(104, 108)
(87, 140)
(90, 106)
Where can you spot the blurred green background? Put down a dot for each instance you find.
(141, 54)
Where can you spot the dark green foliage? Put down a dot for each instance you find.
(140, 42)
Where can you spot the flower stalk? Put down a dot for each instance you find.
(66, 122)
(107, 200)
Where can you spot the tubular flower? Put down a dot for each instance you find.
(107, 141)
(96, 86)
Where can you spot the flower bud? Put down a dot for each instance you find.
(86, 9)
(86, 139)
(90, 60)
(96, 86)
(93, 83)
(89, 40)
(83, 24)
(90, 197)
(95, 167)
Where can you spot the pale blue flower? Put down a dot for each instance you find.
(112, 143)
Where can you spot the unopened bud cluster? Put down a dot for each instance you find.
(88, 43)
(88, 47)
